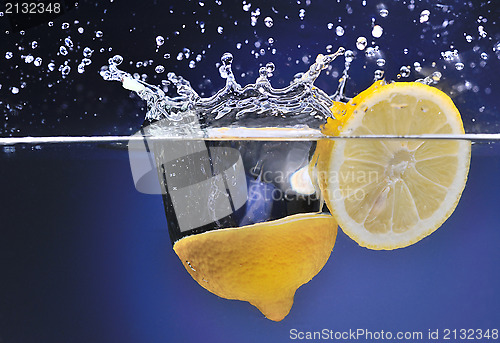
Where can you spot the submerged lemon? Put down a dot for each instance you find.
(388, 194)
(262, 263)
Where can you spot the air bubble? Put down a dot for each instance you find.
(459, 66)
(99, 34)
(361, 43)
(28, 59)
(377, 31)
(220, 29)
(329, 26)
(383, 12)
(51, 66)
(63, 51)
(160, 40)
(80, 30)
(424, 16)
(269, 22)
(14, 90)
(8, 55)
(64, 26)
(34, 44)
(339, 30)
(159, 69)
(192, 64)
(468, 38)
(86, 61)
(484, 56)
(380, 62)
(166, 56)
(379, 74)
(81, 68)
(404, 71)
(417, 66)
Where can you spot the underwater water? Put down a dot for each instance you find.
(87, 257)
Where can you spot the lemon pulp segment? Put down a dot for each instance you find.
(388, 194)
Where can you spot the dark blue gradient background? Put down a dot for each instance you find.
(84, 257)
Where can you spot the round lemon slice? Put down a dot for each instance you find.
(391, 193)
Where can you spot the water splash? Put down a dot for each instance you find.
(301, 100)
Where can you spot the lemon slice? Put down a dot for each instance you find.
(388, 194)
(262, 263)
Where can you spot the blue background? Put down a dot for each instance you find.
(84, 257)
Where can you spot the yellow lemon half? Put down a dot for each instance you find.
(388, 194)
(262, 263)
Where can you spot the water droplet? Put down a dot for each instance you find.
(192, 64)
(159, 69)
(377, 31)
(86, 61)
(37, 62)
(51, 66)
(468, 38)
(8, 55)
(302, 13)
(339, 30)
(87, 52)
(65, 70)
(81, 68)
(166, 56)
(220, 29)
(64, 26)
(268, 21)
(417, 67)
(80, 30)
(380, 62)
(34, 44)
(349, 56)
(62, 50)
(361, 43)
(28, 59)
(116, 60)
(383, 12)
(227, 58)
(270, 69)
(99, 34)
(22, 32)
(246, 7)
(160, 40)
(424, 16)
(459, 66)
(14, 90)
